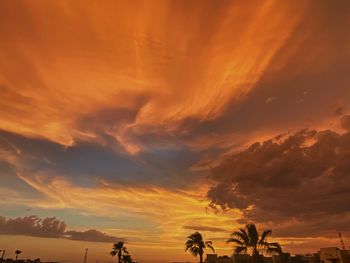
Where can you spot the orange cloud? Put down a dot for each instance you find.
(63, 61)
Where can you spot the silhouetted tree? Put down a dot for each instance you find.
(127, 259)
(196, 245)
(248, 238)
(17, 252)
(119, 249)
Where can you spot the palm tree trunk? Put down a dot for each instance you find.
(16, 257)
(200, 258)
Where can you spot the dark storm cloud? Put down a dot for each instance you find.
(49, 227)
(302, 179)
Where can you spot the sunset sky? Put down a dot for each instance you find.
(145, 121)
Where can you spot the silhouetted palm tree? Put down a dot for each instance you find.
(196, 245)
(17, 252)
(248, 238)
(119, 249)
(127, 259)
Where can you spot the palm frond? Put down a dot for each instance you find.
(242, 235)
(194, 251)
(240, 250)
(189, 244)
(195, 236)
(209, 244)
(274, 247)
(253, 234)
(236, 241)
(263, 245)
(265, 234)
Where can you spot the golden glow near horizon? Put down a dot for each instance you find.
(118, 111)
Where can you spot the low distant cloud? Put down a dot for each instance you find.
(299, 183)
(345, 122)
(91, 235)
(33, 226)
(338, 111)
(204, 228)
(270, 99)
(49, 227)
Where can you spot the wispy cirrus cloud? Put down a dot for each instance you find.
(204, 80)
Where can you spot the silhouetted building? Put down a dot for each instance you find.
(240, 258)
(211, 258)
(37, 260)
(224, 259)
(281, 258)
(235, 258)
(314, 258)
(325, 255)
(334, 255)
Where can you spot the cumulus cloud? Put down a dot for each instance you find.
(49, 227)
(299, 183)
(33, 226)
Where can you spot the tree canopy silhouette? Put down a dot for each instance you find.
(120, 250)
(248, 238)
(196, 245)
(127, 259)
